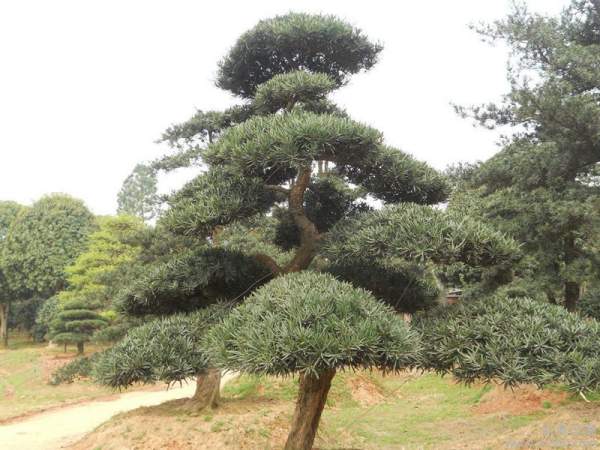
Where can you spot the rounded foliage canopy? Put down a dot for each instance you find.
(167, 349)
(418, 233)
(309, 322)
(268, 146)
(514, 340)
(42, 241)
(215, 198)
(190, 280)
(314, 43)
(287, 89)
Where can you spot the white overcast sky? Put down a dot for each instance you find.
(87, 86)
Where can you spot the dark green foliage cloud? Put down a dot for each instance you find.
(393, 176)
(167, 350)
(308, 322)
(420, 234)
(288, 89)
(267, 147)
(314, 43)
(406, 287)
(191, 280)
(513, 340)
(214, 198)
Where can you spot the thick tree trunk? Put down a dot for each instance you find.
(4, 308)
(571, 295)
(208, 388)
(80, 348)
(312, 395)
(309, 236)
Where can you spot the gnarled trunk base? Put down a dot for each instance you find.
(312, 395)
(208, 392)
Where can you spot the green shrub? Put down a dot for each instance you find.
(78, 368)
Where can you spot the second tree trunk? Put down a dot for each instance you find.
(207, 393)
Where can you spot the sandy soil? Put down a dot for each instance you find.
(59, 428)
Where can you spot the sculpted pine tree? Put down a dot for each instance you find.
(75, 323)
(138, 195)
(542, 187)
(284, 190)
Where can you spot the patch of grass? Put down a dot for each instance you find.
(218, 426)
(515, 422)
(253, 386)
(25, 368)
(417, 412)
(480, 393)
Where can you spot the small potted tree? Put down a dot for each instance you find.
(312, 325)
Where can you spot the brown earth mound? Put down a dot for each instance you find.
(364, 391)
(521, 400)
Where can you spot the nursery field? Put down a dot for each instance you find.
(368, 411)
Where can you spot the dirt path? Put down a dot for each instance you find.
(58, 428)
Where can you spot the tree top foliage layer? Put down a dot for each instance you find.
(314, 43)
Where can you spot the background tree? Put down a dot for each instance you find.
(100, 272)
(75, 324)
(542, 187)
(40, 242)
(8, 213)
(138, 195)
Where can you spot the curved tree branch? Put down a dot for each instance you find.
(268, 262)
(309, 235)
